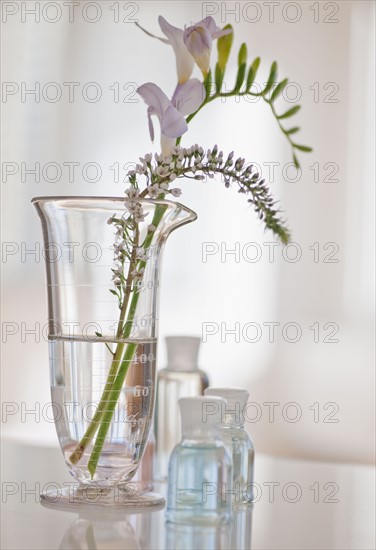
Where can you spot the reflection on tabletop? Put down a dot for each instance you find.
(92, 531)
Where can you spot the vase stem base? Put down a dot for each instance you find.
(92, 496)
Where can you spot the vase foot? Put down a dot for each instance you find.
(93, 496)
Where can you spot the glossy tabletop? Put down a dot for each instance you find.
(298, 505)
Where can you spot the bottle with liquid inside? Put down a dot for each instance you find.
(237, 440)
(200, 467)
(181, 378)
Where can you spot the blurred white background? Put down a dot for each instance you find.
(327, 49)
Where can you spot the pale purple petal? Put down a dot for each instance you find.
(173, 123)
(173, 33)
(188, 96)
(209, 24)
(215, 31)
(197, 38)
(151, 127)
(154, 98)
(184, 60)
(199, 43)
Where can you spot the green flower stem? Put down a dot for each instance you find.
(115, 385)
(93, 426)
(110, 407)
(292, 144)
(128, 286)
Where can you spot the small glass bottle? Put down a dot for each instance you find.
(237, 441)
(200, 467)
(181, 378)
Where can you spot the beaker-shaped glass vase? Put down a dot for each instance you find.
(103, 260)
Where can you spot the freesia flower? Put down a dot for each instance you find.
(184, 60)
(198, 40)
(190, 45)
(186, 100)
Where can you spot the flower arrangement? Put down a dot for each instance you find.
(192, 46)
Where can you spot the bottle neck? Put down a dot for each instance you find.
(232, 416)
(232, 425)
(178, 367)
(197, 434)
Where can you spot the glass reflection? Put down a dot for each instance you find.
(182, 537)
(236, 536)
(241, 533)
(94, 534)
(110, 528)
(107, 529)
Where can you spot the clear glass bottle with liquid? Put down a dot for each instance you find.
(237, 440)
(200, 467)
(181, 378)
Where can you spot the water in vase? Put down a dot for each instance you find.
(80, 371)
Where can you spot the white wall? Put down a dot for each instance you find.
(321, 212)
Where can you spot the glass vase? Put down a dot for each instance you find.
(103, 261)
